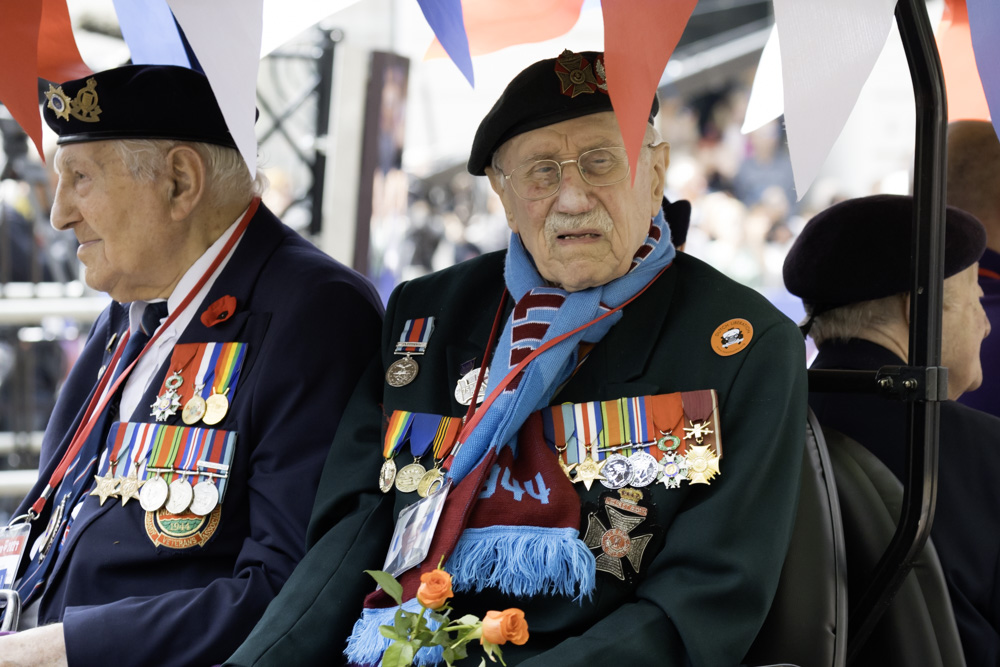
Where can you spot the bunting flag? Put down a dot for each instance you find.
(230, 63)
(36, 40)
(492, 25)
(445, 18)
(149, 30)
(284, 19)
(767, 99)
(984, 18)
(635, 57)
(828, 50)
(966, 100)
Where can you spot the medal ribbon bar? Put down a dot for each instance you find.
(396, 433)
(416, 334)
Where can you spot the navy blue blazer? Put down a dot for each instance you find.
(966, 528)
(310, 325)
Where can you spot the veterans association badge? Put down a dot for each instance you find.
(621, 530)
(181, 531)
(731, 336)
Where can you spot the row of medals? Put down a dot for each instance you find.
(209, 410)
(179, 496)
(415, 477)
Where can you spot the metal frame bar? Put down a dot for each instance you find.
(927, 265)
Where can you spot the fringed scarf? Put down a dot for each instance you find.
(537, 550)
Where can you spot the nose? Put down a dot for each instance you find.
(63, 213)
(574, 192)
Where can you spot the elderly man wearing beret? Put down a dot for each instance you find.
(857, 297)
(179, 465)
(589, 426)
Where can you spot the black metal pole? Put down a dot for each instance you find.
(920, 493)
(324, 90)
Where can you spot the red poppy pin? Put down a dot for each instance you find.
(220, 311)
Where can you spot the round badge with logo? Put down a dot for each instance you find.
(401, 372)
(731, 336)
(181, 531)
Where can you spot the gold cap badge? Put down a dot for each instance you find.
(83, 107)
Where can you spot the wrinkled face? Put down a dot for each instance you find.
(964, 326)
(583, 235)
(114, 216)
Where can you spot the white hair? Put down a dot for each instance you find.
(227, 173)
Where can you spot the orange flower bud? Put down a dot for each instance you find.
(499, 627)
(435, 589)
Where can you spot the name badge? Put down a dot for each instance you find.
(13, 540)
(411, 540)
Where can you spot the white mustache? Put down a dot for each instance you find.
(562, 223)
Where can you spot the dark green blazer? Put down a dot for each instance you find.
(700, 597)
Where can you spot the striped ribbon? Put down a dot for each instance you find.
(395, 434)
(416, 333)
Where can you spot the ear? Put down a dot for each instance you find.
(186, 174)
(659, 161)
(497, 182)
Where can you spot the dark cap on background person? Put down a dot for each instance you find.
(547, 92)
(137, 102)
(859, 250)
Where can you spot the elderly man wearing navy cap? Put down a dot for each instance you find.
(179, 465)
(857, 297)
(589, 426)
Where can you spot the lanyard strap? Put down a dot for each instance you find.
(475, 419)
(96, 406)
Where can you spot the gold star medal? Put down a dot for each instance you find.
(589, 472)
(130, 486)
(107, 486)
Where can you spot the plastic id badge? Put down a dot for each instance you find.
(13, 540)
(411, 540)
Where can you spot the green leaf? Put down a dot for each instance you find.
(401, 620)
(388, 583)
(389, 632)
(399, 654)
(468, 619)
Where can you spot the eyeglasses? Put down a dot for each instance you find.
(539, 179)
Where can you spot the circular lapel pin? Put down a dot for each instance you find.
(731, 337)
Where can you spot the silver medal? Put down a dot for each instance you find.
(467, 386)
(617, 472)
(153, 494)
(180, 496)
(167, 403)
(401, 372)
(645, 468)
(205, 497)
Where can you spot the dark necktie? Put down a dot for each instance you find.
(79, 476)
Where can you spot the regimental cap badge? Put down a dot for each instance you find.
(577, 76)
(83, 107)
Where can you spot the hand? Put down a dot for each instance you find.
(39, 647)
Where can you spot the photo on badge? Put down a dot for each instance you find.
(411, 540)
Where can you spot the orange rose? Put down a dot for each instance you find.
(435, 589)
(499, 627)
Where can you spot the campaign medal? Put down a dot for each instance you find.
(195, 408)
(395, 435)
(589, 471)
(153, 493)
(645, 469)
(702, 464)
(167, 403)
(179, 496)
(387, 475)
(131, 486)
(423, 432)
(445, 434)
(205, 497)
(107, 486)
(466, 386)
(402, 372)
(617, 471)
(216, 407)
(413, 341)
(624, 537)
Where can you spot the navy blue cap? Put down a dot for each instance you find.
(859, 250)
(137, 102)
(547, 92)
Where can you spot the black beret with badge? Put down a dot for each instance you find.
(859, 250)
(137, 102)
(547, 92)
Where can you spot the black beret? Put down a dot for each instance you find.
(137, 102)
(547, 92)
(859, 250)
